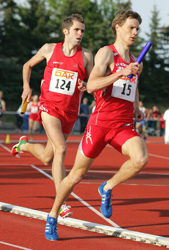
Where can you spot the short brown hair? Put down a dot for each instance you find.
(121, 17)
(68, 21)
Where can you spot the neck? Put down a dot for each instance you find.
(68, 49)
(123, 51)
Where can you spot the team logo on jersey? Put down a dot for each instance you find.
(64, 73)
(43, 108)
(88, 135)
(58, 62)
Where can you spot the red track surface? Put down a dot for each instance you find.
(140, 204)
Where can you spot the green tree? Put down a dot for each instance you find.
(23, 31)
(9, 29)
(36, 27)
(10, 70)
(25, 28)
(125, 5)
(152, 85)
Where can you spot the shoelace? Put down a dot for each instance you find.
(65, 207)
(108, 196)
(52, 229)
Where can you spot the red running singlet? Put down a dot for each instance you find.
(114, 104)
(59, 87)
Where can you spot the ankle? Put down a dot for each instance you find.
(52, 214)
(23, 147)
(107, 187)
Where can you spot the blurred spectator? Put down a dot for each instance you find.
(166, 118)
(84, 112)
(33, 122)
(76, 125)
(156, 116)
(25, 118)
(140, 125)
(2, 106)
(162, 125)
(19, 120)
(149, 122)
(92, 107)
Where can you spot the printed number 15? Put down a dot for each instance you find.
(126, 91)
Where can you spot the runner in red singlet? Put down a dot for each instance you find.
(33, 117)
(111, 122)
(62, 87)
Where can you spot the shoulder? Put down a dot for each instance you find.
(46, 51)
(48, 47)
(2, 101)
(87, 53)
(105, 50)
(87, 57)
(104, 55)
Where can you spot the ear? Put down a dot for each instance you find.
(65, 31)
(116, 27)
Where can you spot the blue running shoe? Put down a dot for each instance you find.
(51, 228)
(106, 206)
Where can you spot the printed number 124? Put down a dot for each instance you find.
(63, 85)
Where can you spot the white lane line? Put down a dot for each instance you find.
(79, 199)
(113, 172)
(11, 245)
(90, 226)
(159, 156)
(7, 149)
(117, 232)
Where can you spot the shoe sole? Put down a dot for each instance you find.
(67, 215)
(15, 151)
(99, 191)
(20, 139)
(52, 239)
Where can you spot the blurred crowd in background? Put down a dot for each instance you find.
(155, 123)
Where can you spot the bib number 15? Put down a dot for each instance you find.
(126, 89)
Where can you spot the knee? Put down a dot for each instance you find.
(74, 179)
(61, 150)
(140, 162)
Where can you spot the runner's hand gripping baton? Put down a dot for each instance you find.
(24, 107)
(142, 54)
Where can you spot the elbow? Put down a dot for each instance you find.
(89, 90)
(26, 66)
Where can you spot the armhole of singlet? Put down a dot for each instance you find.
(57, 45)
(111, 47)
(80, 49)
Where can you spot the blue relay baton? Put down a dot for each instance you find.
(142, 54)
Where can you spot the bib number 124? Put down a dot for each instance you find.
(62, 84)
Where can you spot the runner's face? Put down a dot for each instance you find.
(76, 32)
(129, 31)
